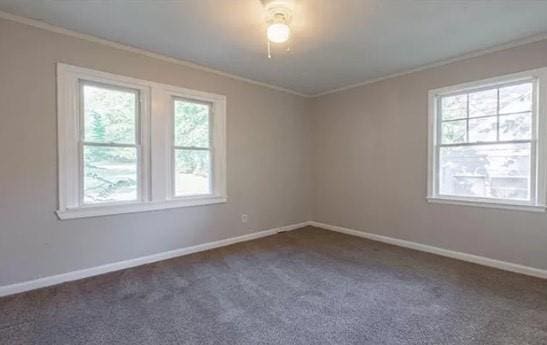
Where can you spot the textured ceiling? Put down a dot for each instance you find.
(335, 43)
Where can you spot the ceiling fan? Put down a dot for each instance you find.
(279, 14)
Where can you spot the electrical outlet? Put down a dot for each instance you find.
(244, 218)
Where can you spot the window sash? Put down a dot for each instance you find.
(81, 177)
(83, 143)
(532, 178)
(152, 142)
(487, 116)
(174, 148)
(497, 86)
(536, 142)
(484, 143)
(114, 87)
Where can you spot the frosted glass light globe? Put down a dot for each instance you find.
(278, 32)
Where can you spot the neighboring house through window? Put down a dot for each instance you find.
(487, 142)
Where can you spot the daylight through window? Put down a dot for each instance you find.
(110, 144)
(192, 147)
(485, 146)
(131, 145)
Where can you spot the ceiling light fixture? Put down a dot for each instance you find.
(278, 32)
(278, 18)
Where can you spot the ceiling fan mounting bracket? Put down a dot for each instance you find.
(279, 10)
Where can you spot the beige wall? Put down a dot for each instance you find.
(268, 135)
(370, 164)
(355, 158)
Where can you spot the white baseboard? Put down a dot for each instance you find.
(120, 265)
(481, 260)
(292, 227)
(93, 271)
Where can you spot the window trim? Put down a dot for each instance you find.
(538, 142)
(154, 162)
(217, 144)
(140, 144)
(172, 187)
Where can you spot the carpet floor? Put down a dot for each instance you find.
(307, 286)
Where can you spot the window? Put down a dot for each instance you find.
(192, 147)
(110, 140)
(115, 155)
(486, 142)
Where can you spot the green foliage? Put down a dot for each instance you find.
(495, 115)
(192, 130)
(109, 117)
(191, 124)
(195, 162)
(110, 173)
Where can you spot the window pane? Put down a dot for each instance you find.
(516, 127)
(110, 116)
(454, 107)
(516, 98)
(192, 172)
(500, 171)
(483, 129)
(483, 103)
(453, 132)
(110, 174)
(191, 124)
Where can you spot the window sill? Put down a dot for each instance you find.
(95, 211)
(486, 204)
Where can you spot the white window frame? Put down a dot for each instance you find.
(155, 166)
(538, 142)
(175, 147)
(141, 139)
(217, 149)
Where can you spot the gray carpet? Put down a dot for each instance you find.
(308, 286)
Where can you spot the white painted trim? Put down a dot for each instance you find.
(53, 28)
(473, 54)
(486, 204)
(154, 161)
(217, 137)
(292, 227)
(121, 265)
(70, 133)
(95, 211)
(479, 84)
(537, 203)
(480, 260)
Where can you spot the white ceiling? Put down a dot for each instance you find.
(335, 43)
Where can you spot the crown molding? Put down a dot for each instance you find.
(90, 38)
(476, 53)
(473, 54)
